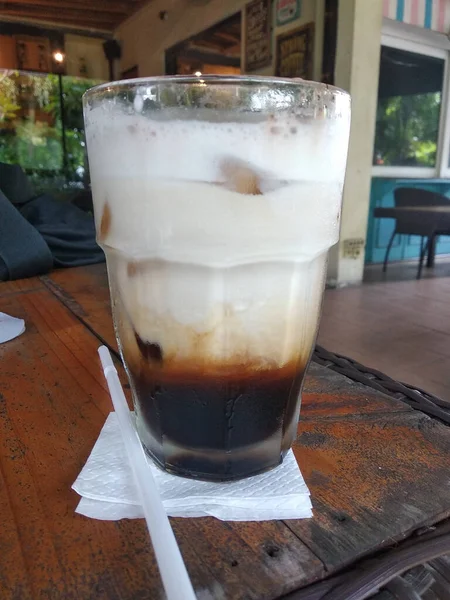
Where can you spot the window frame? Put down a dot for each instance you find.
(428, 43)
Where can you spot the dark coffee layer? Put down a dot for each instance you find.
(215, 421)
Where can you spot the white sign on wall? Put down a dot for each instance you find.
(287, 11)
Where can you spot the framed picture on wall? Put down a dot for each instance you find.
(287, 11)
(33, 53)
(258, 34)
(295, 53)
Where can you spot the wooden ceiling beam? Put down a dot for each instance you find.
(227, 25)
(62, 22)
(81, 22)
(211, 58)
(202, 44)
(114, 6)
(67, 15)
(103, 15)
(228, 37)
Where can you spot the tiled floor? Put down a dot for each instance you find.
(399, 327)
(405, 271)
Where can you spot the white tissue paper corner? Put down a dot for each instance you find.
(10, 327)
(107, 489)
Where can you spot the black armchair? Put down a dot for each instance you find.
(427, 224)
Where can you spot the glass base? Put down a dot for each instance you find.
(226, 471)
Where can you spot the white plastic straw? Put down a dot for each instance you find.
(170, 562)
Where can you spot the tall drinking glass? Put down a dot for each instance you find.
(216, 201)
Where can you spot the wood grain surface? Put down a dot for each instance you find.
(377, 471)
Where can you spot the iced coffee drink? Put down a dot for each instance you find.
(216, 203)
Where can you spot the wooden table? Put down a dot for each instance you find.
(377, 470)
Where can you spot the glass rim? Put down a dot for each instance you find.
(214, 79)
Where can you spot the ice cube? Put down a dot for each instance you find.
(240, 177)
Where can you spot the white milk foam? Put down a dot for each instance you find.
(244, 271)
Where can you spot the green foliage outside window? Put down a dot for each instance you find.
(31, 127)
(407, 130)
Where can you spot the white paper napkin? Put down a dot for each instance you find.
(108, 492)
(10, 327)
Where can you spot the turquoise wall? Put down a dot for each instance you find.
(379, 231)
